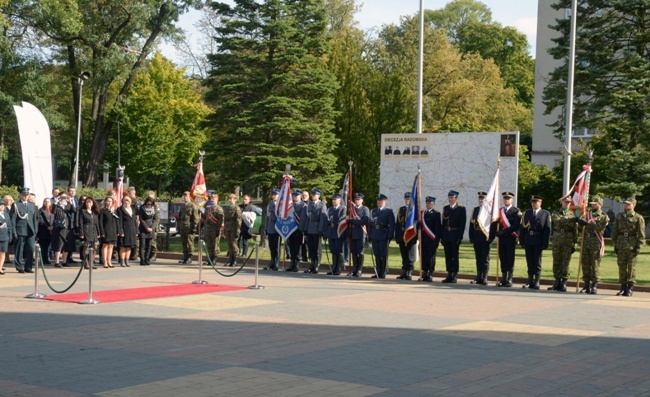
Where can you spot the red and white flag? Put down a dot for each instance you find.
(198, 185)
(346, 194)
(489, 211)
(119, 188)
(580, 188)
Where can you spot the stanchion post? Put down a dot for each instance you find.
(89, 260)
(257, 267)
(37, 262)
(200, 257)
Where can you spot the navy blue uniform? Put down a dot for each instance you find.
(272, 234)
(382, 230)
(432, 219)
(507, 243)
(359, 228)
(482, 245)
(534, 236)
(408, 250)
(25, 223)
(453, 229)
(296, 238)
(314, 220)
(334, 216)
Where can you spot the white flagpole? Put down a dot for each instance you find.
(420, 69)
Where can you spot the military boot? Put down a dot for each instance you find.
(408, 275)
(535, 282)
(628, 290)
(594, 288)
(529, 283)
(403, 275)
(447, 279)
(484, 278)
(509, 280)
(504, 279)
(623, 289)
(562, 286)
(453, 280)
(427, 276)
(359, 271)
(384, 264)
(477, 279)
(555, 286)
(233, 262)
(585, 289)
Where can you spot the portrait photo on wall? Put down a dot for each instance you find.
(508, 145)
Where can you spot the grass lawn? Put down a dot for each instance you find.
(608, 266)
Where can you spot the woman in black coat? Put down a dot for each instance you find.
(148, 218)
(45, 220)
(88, 228)
(110, 228)
(62, 223)
(6, 233)
(128, 219)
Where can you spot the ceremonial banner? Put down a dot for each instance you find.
(36, 150)
(198, 185)
(119, 187)
(345, 196)
(285, 221)
(410, 227)
(489, 211)
(580, 189)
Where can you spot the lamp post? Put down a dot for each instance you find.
(82, 77)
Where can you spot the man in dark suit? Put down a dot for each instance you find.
(381, 231)
(431, 233)
(534, 236)
(408, 250)
(481, 242)
(24, 219)
(510, 219)
(454, 219)
(74, 202)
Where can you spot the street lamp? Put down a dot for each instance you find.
(82, 77)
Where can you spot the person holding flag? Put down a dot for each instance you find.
(382, 230)
(628, 236)
(594, 223)
(269, 229)
(510, 220)
(481, 243)
(296, 238)
(564, 238)
(314, 221)
(212, 226)
(335, 214)
(454, 219)
(359, 219)
(534, 236)
(432, 230)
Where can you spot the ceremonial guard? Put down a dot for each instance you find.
(314, 221)
(628, 235)
(232, 219)
(188, 217)
(534, 236)
(335, 214)
(156, 227)
(382, 229)
(271, 233)
(564, 238)
(431, 232)
(212, 226)
(24, 220)
(510, 220)
(296, 238)
(593, 225)
(481, 242)
(359, 220)
(454, 219)
(408, 250)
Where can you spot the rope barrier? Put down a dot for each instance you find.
(47, 281)
(217, 270)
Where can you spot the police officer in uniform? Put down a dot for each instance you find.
(212, 226)
(188, 217)
(271, 233)
(564, 238)
(295, 239)
(408, 250)
(232, 219)
(593, 226)
(454, 219)
(359, 226)
(628, 235)
(510, 218)
(382, 230)
(534, 236)
(314, 221)
(481, 243)
(334, 215)
(431, 233)
(25, 222)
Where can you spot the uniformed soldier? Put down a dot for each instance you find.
(212, 226)
(314, 221)
(508, 229)
(188, 217)
(359, 220)
(534, 236)
(232, 219)
(271, 233)
(564, 238)
(431, 233)
(454, 219)
(334, 215)
(303, 248)
(24, 218)
(593, 225)
(628, 235)
(296, 238)
(382, 230)
(481, 243)
(408, 250)
(136, 202)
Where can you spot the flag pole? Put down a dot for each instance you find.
(419, 208)
(349, 205)
(583, 208)
(496, 268)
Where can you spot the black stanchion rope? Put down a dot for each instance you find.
(205, 248)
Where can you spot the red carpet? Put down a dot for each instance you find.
(145, 293)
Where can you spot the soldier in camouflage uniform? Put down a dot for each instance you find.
(188, 217)
(231, 228)
(593, 243)
(212, 226)
(628, 235)
(564, 238)
(156, 227)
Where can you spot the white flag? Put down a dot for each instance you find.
(489, 211)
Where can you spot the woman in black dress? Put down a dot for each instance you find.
(88, 228)
(6, 233)
(62, 224)
(128, 219)
(45, 219)
(148, 219)
(109, 229)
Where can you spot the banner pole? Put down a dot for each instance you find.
(583, 209)
(89, 261)
(419, 207)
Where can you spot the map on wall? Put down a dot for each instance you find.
(465, 162)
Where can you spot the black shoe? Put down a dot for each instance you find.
(447, 279)
(529, 283)
(126, 263)
(57, 264)
(594, 289)
(453, 280)
(535, 282)
(555, 285)
(585, 289)
(628, 291)
(402, 276)
(31, 271)
(562, 286)
(71, 261)
(623, 289)
(21, 271)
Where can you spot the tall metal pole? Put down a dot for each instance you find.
(119, 139)
(76, 159)
(569, 96)
(420, 69)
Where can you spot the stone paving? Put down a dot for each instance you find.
(317, 335)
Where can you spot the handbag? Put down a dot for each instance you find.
(59, 223)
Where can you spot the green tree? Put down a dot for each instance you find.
(457, 13)
(612, 90)
(160, 124)
(272, 96)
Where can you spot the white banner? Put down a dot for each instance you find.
(37, 151)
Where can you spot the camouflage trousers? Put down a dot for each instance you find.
(626, 266)
(591, 265)
(212, 241)
(187, 240)
(561, 260)
(233, 247)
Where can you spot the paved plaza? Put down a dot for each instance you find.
(317, 335)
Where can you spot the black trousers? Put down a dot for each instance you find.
(482, 254)
(507, 257)
(408, 254)
(534, 259)
(314, 245)
(274, 243)
(24, 252)
(451, 256)
(145, 249)
(294, 243)
(429, 249)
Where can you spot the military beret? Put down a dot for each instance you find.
(316, 191)
(536, 197)
(482, 194)
(23, 190)
(595, 200)
(2, 202)
(359, 196)
(275, 191)
(507, 195)
(297, 192)
(630, 200)
(407, 195)
(452, 193)
(336, 196)
(382, 197)
(430, 199)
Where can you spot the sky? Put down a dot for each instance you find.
(521, 14)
